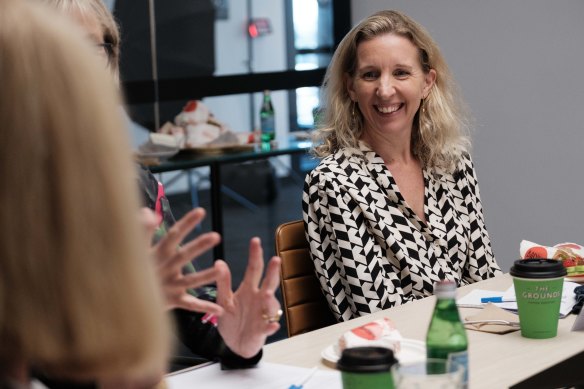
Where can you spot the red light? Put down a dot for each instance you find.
(259, 27)
(253, 30)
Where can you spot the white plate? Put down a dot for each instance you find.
(411, 351)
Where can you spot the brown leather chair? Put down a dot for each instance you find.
(304, 303)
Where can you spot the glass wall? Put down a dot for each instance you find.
(312, 48)
(162, 42)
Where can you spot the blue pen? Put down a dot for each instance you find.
(497, 300)
(305, 380)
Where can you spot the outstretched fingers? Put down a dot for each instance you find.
(176, 295)
(269, 302)
(271, 308)
(191, 303)
(224, 291)
(272, 278)
(193, 249)
(198, 279)
(175, 235)
(255, 264)
(271, 329)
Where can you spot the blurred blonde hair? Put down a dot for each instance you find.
(439, 133)
(78, 295)
(109, 27)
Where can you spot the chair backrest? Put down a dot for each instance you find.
(304, 303)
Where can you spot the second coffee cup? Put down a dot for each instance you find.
(538, 287)
(366, 368)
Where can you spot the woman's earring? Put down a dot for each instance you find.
(353, 115)
(421, 114)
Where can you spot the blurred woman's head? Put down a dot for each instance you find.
(99, 26)
(437, 134)
(78, 296)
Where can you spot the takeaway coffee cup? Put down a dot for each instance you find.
(366, 368)
(538, 289)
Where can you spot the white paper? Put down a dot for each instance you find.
(473, 298)
(264, 376)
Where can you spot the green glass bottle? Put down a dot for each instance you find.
(446, 337)
(267, 121)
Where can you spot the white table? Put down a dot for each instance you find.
(495, 361)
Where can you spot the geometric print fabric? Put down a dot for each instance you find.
(371, 251)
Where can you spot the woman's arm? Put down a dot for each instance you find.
(481, 263)
(354, 273)
(195, 306)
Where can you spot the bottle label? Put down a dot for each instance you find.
(460, 359)
(267, 125)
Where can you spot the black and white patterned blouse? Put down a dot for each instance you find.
(372, 252)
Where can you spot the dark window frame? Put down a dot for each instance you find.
(137, 92)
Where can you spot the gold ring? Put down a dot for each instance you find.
(274, 318)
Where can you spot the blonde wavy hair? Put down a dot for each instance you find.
(78, 294)
(439, 134)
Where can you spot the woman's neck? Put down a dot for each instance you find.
(391, 150)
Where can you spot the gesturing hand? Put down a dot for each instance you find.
(243, 325)
(170, 259)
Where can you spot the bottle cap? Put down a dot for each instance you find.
(445, 289)
(366, 360)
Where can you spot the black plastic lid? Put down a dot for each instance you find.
(538, 268)
(366, 360)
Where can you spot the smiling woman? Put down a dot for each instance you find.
(394, 205)
(388, 87)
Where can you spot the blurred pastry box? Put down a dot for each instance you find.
(195, 127)
(381, 332)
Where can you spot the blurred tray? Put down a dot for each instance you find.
(154, 156)
(160, 154)
(217, 150)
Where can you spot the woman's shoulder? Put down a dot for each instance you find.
(339, 161)
(324, 171)
(465, 162)
(464, 167)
